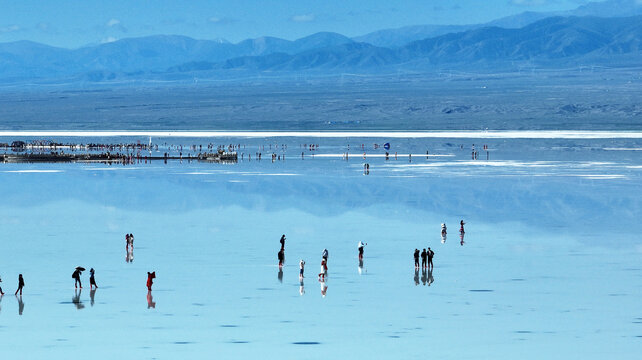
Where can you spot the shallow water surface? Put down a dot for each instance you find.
(549, 267)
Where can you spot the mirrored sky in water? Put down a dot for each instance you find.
(549, 267)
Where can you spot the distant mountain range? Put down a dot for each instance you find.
(404, 35)
(528, 39)
(552, 42)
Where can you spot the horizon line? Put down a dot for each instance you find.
(485, 134)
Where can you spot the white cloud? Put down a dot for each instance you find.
(220, 20)
(303, 18)
(529, 2)
(108, 39)
(112, 23)
(10, 28)
(115, 24)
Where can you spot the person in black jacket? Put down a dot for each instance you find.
(21, 284)
(416, 255)
(76, 277)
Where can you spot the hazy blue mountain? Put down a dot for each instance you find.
(556, 41)
(30, 59)
(26, 59)
(404, 35)
(551, 42)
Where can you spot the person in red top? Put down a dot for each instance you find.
(150, 279)
(324, 270)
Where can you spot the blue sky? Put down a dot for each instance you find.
(74, 23)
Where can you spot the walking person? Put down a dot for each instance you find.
(21, 284)
(416, 255)
(430, 254)
(76, 276)
(92, 279)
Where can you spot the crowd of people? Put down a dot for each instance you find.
(426, 255)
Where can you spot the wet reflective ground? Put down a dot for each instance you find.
(550, 265)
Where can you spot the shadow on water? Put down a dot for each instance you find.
(151, 304)
(76, 300)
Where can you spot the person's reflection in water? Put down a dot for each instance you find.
(424, 277)
(416, 278)
(443, 238)
(324, 287)
(360, 266)
(1, 295)
(76, 300)
(461, 236)
(301, 287)
(280, 275)
(21, 305)
(129, 257)
(92, 293)
(151, 304)
(430, 278)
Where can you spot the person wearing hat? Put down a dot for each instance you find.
(76, 277)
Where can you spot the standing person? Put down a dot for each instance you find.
(281, 256)
(127, 242)
(324, 269)
(76, 277)
(301, 268)
(150, 280)
(131, 240)
(416, 255)
(360, 247)
(92, 279)
(461, 230)
(430, 254)
(282, 241)
(423, 258)
(324, 255)
(21, 284)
